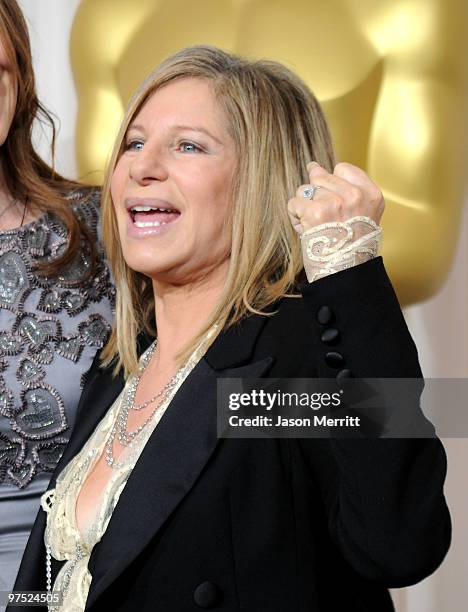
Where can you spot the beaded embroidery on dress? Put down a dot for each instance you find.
(50, 329)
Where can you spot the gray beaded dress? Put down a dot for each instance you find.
(50, 330)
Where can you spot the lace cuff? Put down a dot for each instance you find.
(331, 247)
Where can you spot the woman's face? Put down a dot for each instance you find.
(179, 156)
(8, 93)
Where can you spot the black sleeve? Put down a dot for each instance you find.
(384, 497)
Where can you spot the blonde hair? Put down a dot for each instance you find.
(278, 127)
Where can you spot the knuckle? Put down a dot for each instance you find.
(322, 214)
(355, 195)
(317, 170)
(314, 216)
(375, 193)
(344, 168)
(337, 201)
(341, 165)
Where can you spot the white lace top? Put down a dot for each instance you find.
(63, 539)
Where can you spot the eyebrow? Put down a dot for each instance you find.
(202, 130)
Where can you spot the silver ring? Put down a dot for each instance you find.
(309, 192)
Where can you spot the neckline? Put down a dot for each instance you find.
(26, 226)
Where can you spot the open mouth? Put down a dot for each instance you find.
(152, 216)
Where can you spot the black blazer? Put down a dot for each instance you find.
(269, 525)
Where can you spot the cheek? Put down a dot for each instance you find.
(12, 95)
(215, 186)
(7, 104)
(216, 215)
(221, 188)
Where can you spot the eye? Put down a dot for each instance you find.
(133, 145)
(189, 147)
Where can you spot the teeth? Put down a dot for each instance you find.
(142, 208)
(148, 223)
(136, 209)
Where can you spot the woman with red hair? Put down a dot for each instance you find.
(55, 297)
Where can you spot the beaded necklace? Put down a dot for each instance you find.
(126, 438)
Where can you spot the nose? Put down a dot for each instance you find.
(148, 166)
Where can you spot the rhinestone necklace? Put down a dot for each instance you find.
(119, 428)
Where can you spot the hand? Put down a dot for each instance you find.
(346, 193)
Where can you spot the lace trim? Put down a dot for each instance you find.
(332, 247)
(62, 538)
(47, 500)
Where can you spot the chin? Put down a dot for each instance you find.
(143, 267)
(149, 266)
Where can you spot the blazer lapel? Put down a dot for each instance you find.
(95, 401)
(175, 454)
(93, 405)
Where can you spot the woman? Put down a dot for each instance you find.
(55, 299)
(148, 508)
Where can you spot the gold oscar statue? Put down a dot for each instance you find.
(391, 76)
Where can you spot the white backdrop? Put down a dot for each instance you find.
(439, 326)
